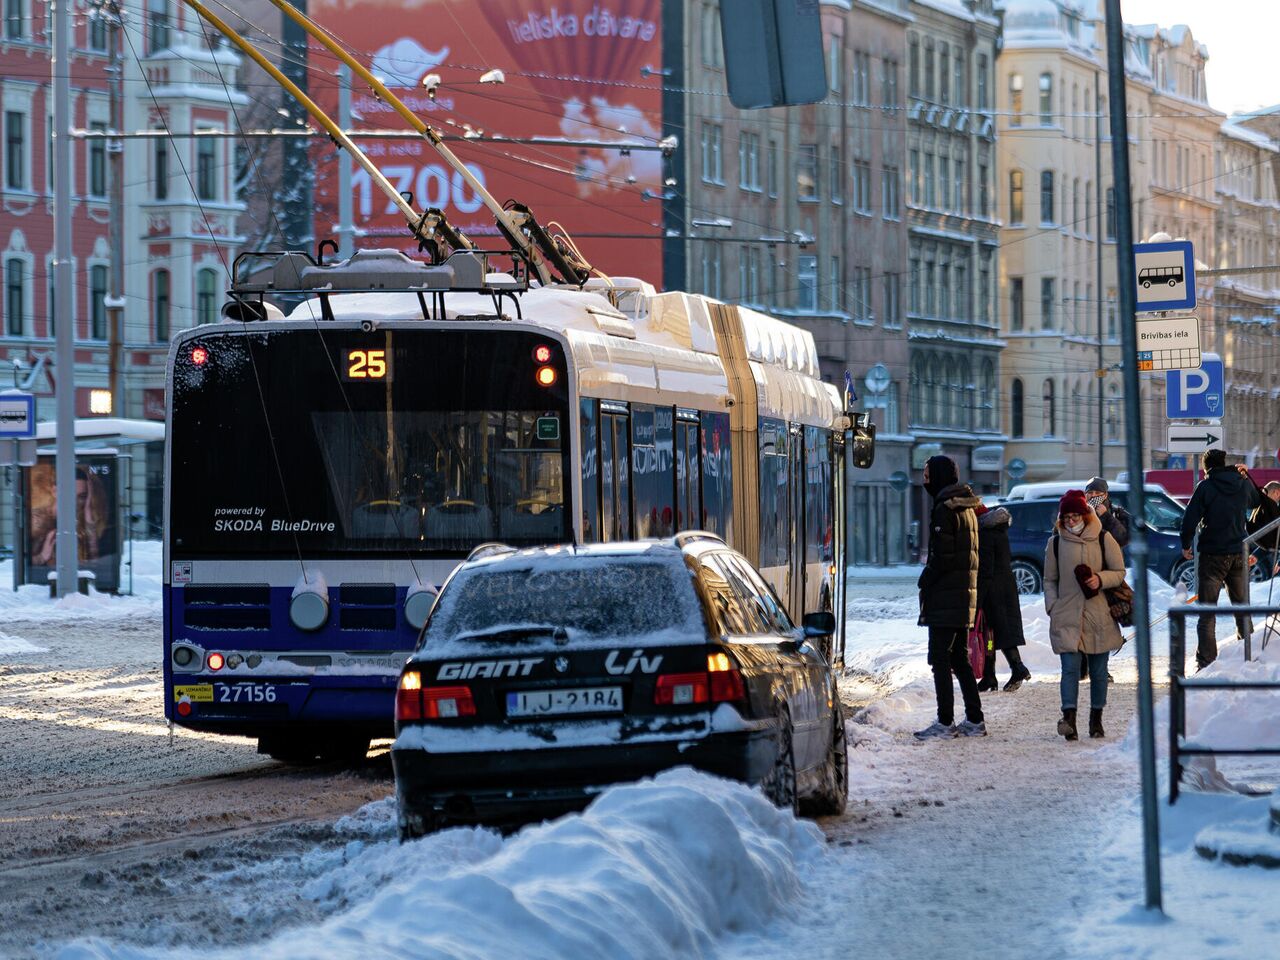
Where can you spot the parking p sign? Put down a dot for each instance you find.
(1196, 394)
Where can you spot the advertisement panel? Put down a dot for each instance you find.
(571, 69)
(97, 520)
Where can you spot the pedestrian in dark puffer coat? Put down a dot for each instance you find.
(998, 599)
(949, 598)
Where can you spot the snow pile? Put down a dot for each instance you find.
(660, 868)
(10, 645)
(32, 601)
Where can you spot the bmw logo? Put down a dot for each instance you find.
(562, 664)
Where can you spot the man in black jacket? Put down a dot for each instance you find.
(949, 598)
(1218, 508)
(1115, 519)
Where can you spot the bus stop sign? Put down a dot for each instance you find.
(1165, 274)
(17, 415)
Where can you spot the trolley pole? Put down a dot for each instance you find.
(1134, 451)
(346, 220)
(68, 554)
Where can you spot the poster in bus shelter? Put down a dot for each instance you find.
(572, 70)
(97, 520)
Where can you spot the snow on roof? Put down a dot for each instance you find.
(96, 427)
(1234, 127)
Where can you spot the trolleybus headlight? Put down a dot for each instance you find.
(182, 656)
(234, 661)
(542, 353)
(308, 610)
(546, 376)
(417, 605)
(254, 660)
(215, 661)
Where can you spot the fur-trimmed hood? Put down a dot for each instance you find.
(998, 517)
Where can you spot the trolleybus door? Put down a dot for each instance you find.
(795, 579)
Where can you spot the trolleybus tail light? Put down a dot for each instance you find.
(216, 661)
(546, 376)
(542, 353)
(199, 356)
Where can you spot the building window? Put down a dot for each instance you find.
(930, 193)
(160, 185)
(15, 297)
(982, 81)
(1048, 288)
(837, 178)
(711, 269)
(1015, 100)
(1015, 303)
(772, 172)
(1046, 99)
(835, 62)
(890, 189)
(206, 296)
(928, 69)
(862, 188)
(1046, 196)
(1015, 409)
(984, 192)
(712, 51)
(97, 32)
(913, 66)
(913, 175)
(15, 150)
(749, 162)
(892, 311)
(160, 304)
(889, 83)
(807, 283)
(836, 286)
(98, 163)
(15, 19)
(157, 25)
(206, 169)
(1049, 408)
(944, 75)
(862, 79)
(1111, 214)
(959, 93)
(1015, 196)
(807, 171)
(712, 160)
(984, 287)
(98, 302)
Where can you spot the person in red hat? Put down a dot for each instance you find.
(1080, 562)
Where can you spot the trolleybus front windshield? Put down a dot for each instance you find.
(347, 442)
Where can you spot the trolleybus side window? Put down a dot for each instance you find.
(819, 530)
(590, 471)
(653, 469)
(615, 476)
(688, 499)
(717, 476)
(775, 494)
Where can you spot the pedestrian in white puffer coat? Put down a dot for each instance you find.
(1081, 561)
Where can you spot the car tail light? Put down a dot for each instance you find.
(680, 688)
(409, 696)
(445, 703)
(721, 683)
(725, 679)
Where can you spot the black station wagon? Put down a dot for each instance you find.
(544, 674)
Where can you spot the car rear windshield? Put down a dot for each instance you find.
(593, 601)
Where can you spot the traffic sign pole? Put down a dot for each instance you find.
(1116, 81)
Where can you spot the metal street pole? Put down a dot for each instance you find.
(1099, 195)
(1127, 294)
(115, 155)
(68, 555)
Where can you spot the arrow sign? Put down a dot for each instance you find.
(1196, 437)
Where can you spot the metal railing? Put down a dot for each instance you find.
(1268, 538)
(1179, 684)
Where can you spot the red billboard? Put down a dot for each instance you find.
(575, 70)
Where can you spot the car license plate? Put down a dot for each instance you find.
(244, 693)
(539, 703)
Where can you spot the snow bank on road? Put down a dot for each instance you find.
(10, 644)
(32, 601)
(660, 868)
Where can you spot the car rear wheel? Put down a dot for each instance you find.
(831, 798)
(780, 783)
(1028, 577)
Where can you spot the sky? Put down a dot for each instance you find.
(1241, 36)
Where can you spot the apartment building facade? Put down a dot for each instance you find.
(799, 211)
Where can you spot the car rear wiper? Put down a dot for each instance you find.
(517, 634)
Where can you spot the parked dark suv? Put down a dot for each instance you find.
(544, 674)
(1033, 525)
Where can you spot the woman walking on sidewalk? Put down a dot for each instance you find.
(1080, 562)
(998, 599)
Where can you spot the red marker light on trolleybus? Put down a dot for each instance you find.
(215, 661)
(542, 353)
(199, 356)
(546, 376)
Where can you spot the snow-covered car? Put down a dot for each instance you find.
(544, 674)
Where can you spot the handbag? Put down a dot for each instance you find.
(1119, 599)
(978, 645)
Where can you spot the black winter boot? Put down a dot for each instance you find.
(1067, 725)
(989, 682)
(1095, 724)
